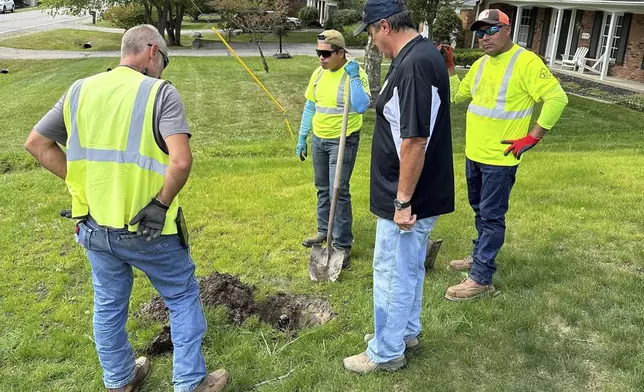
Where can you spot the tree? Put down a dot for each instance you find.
(373, 66)
(199, 8)
(169, 13)
(426, 11)
(447, 25)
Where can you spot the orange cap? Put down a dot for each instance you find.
(490, 17)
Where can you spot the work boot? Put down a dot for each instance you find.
(214, 382)
(142, 368)
(361, 364)
(409, 343)
(467, 290)
(319, 239)
(462, 265)
(346, 258)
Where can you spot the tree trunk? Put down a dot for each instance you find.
(372, 66)
(148, 12)
(162, 21)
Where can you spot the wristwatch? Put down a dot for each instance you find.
(401, 205)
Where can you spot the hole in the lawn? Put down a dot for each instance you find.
(282, 311)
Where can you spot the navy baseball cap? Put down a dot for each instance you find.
(375, 10)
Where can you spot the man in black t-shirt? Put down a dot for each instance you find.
(412, 179)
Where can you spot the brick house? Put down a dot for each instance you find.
(556, 28)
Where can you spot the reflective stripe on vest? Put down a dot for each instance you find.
(339, 99)
(498, 111)
(131, 153)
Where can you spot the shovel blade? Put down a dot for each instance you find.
(432, 250)
(325, 263)
(318, 263)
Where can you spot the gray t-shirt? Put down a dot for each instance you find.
(170, 117)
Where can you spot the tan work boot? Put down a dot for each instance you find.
(462, 265)
(362, 364)
(142, 368)
(409, 343)
(319, 239)
(214, 382)
(467, 290)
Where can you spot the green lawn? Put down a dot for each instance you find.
(69, 39)
(25, 9)
(65, 39)
(569, 315)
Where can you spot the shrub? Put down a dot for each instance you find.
(352, 41)
(466, 57)
(309, 16)
(446, 26)
(341, 18)
(125, 16)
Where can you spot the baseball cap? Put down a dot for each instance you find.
(490, 17)
(332, 37)
(375, 10)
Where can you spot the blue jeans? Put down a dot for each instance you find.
(112, 253)
(488, 190)
(398, 275)
(325, 155)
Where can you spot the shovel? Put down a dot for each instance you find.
(326, 263)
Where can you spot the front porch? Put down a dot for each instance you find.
(613, 81)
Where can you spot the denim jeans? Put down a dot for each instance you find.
(488, 190)
(112, 253)
(325, 155)
(398, 275)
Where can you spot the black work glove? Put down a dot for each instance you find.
(66, 213)
(151, 219)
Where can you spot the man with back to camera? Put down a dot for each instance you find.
(127, 158)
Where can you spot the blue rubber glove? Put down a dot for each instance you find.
(353, 69)
(301, 147)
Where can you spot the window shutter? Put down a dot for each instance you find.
(623, 40)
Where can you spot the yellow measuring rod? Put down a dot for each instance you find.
(280, 107)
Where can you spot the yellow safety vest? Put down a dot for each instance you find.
(504, 90)
(114, 165)
(328, 90)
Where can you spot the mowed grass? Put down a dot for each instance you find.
(73, 40)
(569, 315)
(65, 39)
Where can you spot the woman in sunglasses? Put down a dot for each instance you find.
(504, 85)
(326, 97)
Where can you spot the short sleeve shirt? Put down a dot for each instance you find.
(414, 102)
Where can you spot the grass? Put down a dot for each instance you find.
(26, 9)
(73, 40)
(569, 316)
(65, 39)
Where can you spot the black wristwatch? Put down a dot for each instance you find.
(401, 205)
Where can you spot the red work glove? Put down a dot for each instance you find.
(447, 52)
(519, 146)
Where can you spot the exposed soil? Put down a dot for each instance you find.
(282, 311)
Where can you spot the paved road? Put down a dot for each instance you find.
(34, 21)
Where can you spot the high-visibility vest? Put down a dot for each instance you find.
(329, 93)
(114, 165)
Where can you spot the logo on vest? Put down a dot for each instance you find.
(545, 74)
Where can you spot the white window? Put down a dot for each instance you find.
(617, 34)
(524, 26)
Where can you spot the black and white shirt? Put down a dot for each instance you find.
(414, 102)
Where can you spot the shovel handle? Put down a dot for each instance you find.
(338, 167)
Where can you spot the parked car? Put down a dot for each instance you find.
(7, 5)
(293, 23)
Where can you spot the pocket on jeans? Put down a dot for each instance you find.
(140, 245)
(83, 235)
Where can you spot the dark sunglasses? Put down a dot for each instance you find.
(325, 53)
(166, 60)
(490, 31)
